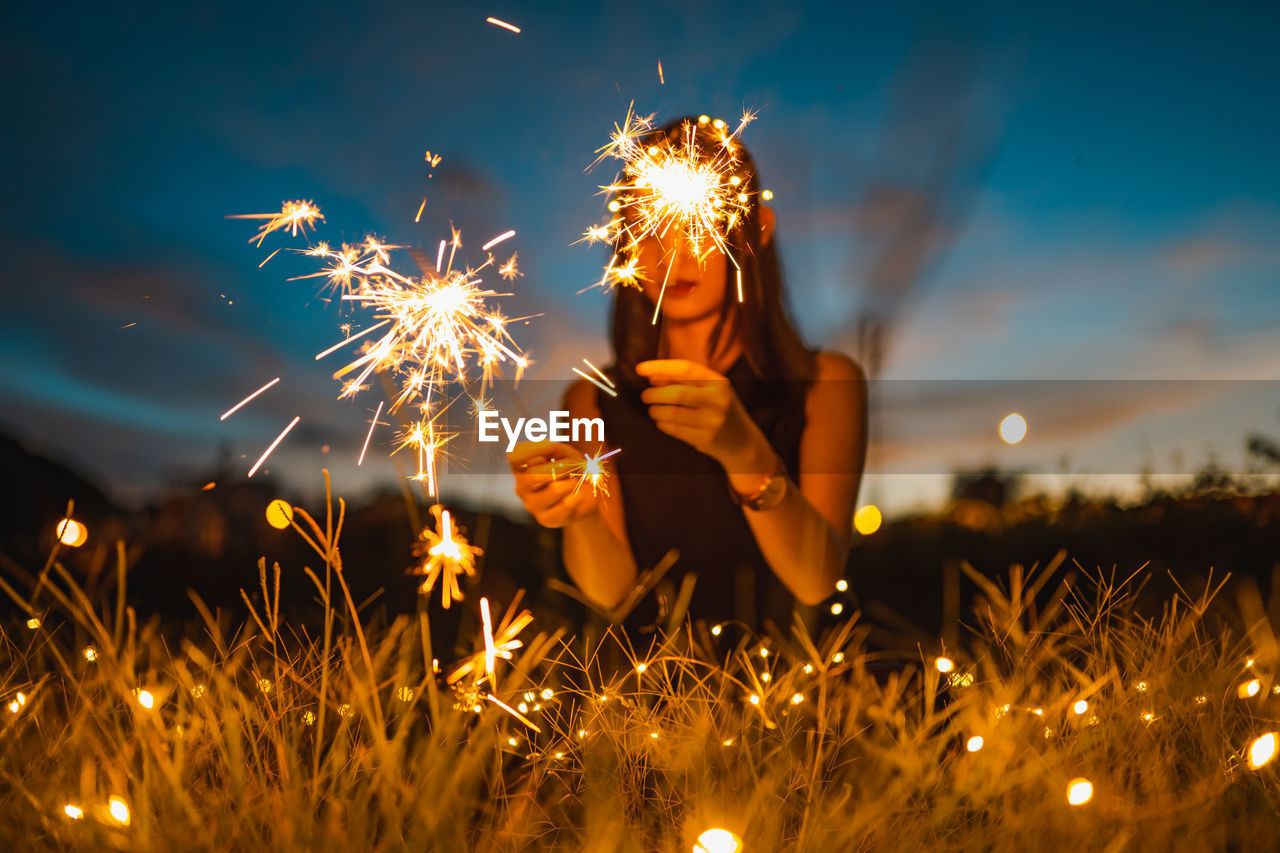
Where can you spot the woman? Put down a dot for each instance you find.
(741, 448)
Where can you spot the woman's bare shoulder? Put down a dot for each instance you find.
(839, 388)
(837, 366)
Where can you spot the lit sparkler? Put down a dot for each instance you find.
(691, 181)
(504, 642)
(293, 215)
(591, 469)
(444, 554)
(433, 329)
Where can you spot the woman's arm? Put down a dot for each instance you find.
(805, 538)
(597, 554)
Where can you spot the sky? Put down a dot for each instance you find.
(1100, 247)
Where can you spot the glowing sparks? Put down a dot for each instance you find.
(503, 24)
(490, 652)
(421, 207)
(274, 444)
(689, 184)
(372, 424)
(441, 325)
(348, 340)
(267, 258)
(604, 383)
(1262, 750)
(591, 469)
(444, 554)
(513, 712)
(231, 411)
(505, 642)
(293, 216)
(509, 270)
(505, 235)
(662, 80)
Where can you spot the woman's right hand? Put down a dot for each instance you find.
(545, 484)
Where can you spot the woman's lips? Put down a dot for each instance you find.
(677, 289)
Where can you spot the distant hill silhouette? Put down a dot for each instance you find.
(34, 491)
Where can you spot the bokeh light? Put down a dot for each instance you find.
(1079, 791)
(119, 810)
(1262, 750)
(867, 519)
(717, 841)
(1013, 428)
(72, 533)
(279, 514)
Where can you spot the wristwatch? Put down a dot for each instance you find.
(770, 493)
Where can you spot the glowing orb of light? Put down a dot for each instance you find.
(72, 533)
(1079, 791)
(867, 519)
(73, 812)
(119, 810)
(1080, 707)
(279, 514)
(842, 585)
(944, 665)
(837, 609)
(975, 743)
(1013, 428)
(145, 699)
(1262, 750)
(718, 841)
(1249, 688)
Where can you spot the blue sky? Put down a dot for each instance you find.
(1110, 208)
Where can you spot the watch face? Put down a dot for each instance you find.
(773, 492)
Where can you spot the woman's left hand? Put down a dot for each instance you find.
(698, 406)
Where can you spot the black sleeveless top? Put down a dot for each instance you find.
(677, 497)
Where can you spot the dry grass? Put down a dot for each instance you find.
(262, 738)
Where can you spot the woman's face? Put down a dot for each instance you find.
(693, 290)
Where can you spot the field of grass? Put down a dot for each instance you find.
(1079, 724)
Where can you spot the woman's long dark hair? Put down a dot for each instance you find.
(772, 347)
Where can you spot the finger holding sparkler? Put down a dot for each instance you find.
(591, 469)
(542, 471)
